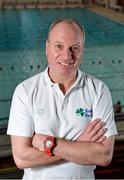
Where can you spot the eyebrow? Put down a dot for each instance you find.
(59, 42)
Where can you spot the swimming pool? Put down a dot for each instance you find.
(22, 43)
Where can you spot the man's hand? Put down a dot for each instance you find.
(95, 132)
(38, 141)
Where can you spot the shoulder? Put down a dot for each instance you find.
(32, 81)
(29, 85)
(88, 78)
(93, 83)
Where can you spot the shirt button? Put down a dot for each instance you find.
(66, 101)
(55, 85)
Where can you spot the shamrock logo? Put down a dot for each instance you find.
(80, 112)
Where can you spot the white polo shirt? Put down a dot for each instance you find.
(39, 106)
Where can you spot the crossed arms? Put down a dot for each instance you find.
(92, 147)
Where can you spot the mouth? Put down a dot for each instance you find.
(66, 64)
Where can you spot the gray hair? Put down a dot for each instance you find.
(69, 21)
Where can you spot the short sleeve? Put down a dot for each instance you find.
(103, 108)
(21, 118)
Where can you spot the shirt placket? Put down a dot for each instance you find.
(62, 110)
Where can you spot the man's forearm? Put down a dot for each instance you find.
(92, 147)
(26, 156)
(34, 158)
(86, 153)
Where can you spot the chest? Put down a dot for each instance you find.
(62, 116)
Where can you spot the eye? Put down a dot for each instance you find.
(58, 46)
(75, 48)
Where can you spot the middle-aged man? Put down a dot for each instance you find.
(61, 120)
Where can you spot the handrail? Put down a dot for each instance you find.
(5, 100)
(119, 116)
(4, 118)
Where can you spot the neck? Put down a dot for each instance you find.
(64, 82)
(65, 86)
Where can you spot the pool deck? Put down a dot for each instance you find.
(106, 12)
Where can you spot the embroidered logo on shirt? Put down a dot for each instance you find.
(84, 112)
(40, 111)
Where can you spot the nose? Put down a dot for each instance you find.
(67, 54)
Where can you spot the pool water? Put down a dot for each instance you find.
(22, 49)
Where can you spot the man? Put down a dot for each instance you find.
(61, 121)
(117, 107)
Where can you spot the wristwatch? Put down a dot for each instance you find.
(49, 145)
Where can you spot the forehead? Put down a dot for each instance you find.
(66, 30)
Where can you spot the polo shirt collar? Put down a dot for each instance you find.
(80, 79)
(78, 83)
(47, 78)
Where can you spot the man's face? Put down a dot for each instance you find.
(64, 49)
